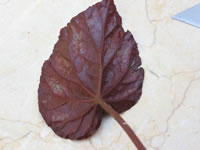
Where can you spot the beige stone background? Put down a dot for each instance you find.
(167, 116)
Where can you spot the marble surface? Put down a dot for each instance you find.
(167, 116)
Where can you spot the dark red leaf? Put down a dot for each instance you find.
(94, 61)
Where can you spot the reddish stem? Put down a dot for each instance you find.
(123, 124)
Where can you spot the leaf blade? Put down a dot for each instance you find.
(91, 62)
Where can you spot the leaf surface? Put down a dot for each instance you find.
(94, 61)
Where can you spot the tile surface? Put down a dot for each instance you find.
(167, 116)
